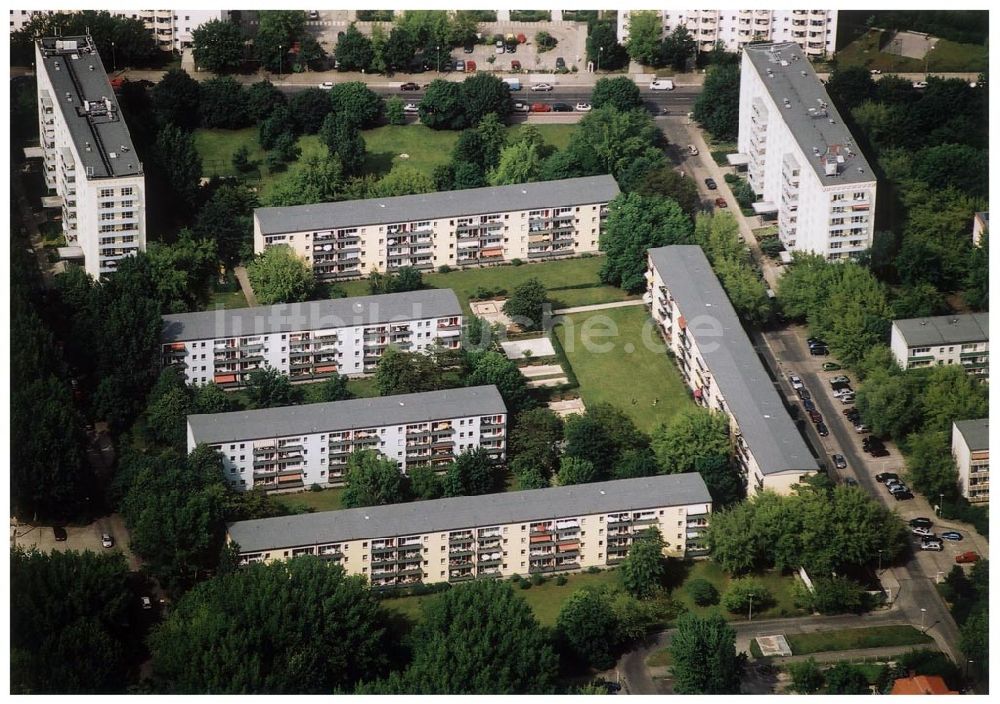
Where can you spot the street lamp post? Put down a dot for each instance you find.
(600, 50)
(879, 562)
(280, 58)
(750, 615)
(923, 612)
(940, 505)
(114, 57)
(438, 50)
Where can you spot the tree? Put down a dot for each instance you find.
(133, 44)
(977, 278)
(746, 291)
(644, 569)
(334, 388)
(277, 123)
(394, 111)
(930, 467)
(223, 104)
(286, 148)
(309, 109)
(722, 479)
(537, 434)
(472, 473)
(494, 368)
(694, 433)
(318, 180)
(425, 483)
(443, 106)
(838, 595)
(178, 158)
(519, 163)
(167, 416)
(601, 435)
(586, 629)
(262, 99)
(357, 102)
(676, 49)
(266, 387)
(889, 402)
(402, 181)
(703, 651)
(406, 279)
(526, 305)
(850, 87)
(919, 301)
(278, 275)
(636, 223)
(702, 592)
(354, 50)
(210, 398)
(573, 470)
(717, 106)
(668, 183)
(71, 622)
(400, 46)
(974, 640)
(620, 92)
(484, 93)
(951, 394)
(343, 139)
(372, 480)
(241, 160)
(175, 99)
(218, 46)
(480, 638)
(407, 373)
(227, 220)
(845, 678)
(807, 677)
(603, 48)
(468, 175)
(607, 141)
(744, 592)
(493, 138)
(635, 463)
(644, 32)
(327, 617)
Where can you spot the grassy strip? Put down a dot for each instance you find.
(572, 381)
(855, 639)
(660, 658)
(325, 500)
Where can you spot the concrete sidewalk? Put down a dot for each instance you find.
(598, 306)
(244, 279)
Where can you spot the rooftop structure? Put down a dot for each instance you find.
(976, 433)
(944, 329)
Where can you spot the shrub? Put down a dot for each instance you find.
(545, 41)
(515, 578)
(702, 592)
(525, 584)
(516, 262)
(730, 178)
(537, 580)
(315, 487)
(561, 580)
(593, 569)
(746, 591)
(444, 269)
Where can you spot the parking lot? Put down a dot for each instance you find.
(79, 538)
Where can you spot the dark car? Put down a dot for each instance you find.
(409, 86)
(921, 522)
(870, 443)
(883, 477)
(562, 107)
(837, 386)
(822, 429)
(59, 533)
(815, 341)
(721, 203)
(560, 62)
(468, 48)
(903, 495)
(710, 184)
(850, 481)
(839, 461)
(808, 405)
(815, 417)
(819, 351)
(951, 535)
(803, 393)
(879, 452)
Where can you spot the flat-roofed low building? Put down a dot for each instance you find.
(292, 447)
(309, 341)
(473, 227)
(970, 446)
(720, 365)
(943, 339)
(539, 531)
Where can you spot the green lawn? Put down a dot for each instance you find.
(626, 364)
(779, 585)
(325, 500)
(856, 638)
(227, 299)
(660, 658)
(544, 600)
(945, 56)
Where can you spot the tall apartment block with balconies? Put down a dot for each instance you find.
(309, 341)
(90, 163)
(297, 446)
(474, 227)
(721, 367)
(801, 159)
(970, 446)
(540, 531)
(815, 31)
(943, 339)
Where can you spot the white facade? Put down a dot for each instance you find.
(801, 160)
(943, 340)
(970, 446)
(171, 29)
(815, 31)
(298, 446)
(542, 531)
(90, 163)
(473, 227)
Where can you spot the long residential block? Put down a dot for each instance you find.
(525, 532)
(309, 341)
(943, 339)
(721, 366)
(801, 159)
(970, 446)
(528, 221)
(90, 163)
(298, 446)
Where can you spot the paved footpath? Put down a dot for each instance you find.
(598, 306)
(244, 279)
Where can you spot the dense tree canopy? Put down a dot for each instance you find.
(644, 568)
(175, 99)
(218, 46)
(223, 104)
(620, 92)
(717, 106)
(372, 480)
(472, 473)
(703, 651)
(645, 31)
(278, 275)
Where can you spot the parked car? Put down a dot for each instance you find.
(883, 477)
(815, 416)
(815, 341)
(898, 488)
(515, 65)
(326, 85)
(952, 535)
(822, 429)
(795, 381)
(921, 530)
(107, 541)
(893, 482)
(842, 391)
(808, 405)
(521, 107)
(920, 521)
(920, 84)
(59, 533)
(933, 545)
(499, 46)
(692, 150)
(470, 66)
(543, 87)
(721, 203)
(839, 379)
(562, 107)
(903, 496)
(967, 557)
(875, 71)
(851, 481)
(583, 107)
(460, 65)
(541, 107)
(468, 47)
(819, 351)
(409, 86)
(662, 84)
(511, 46)
(879, 452)
(560, 63)
(710, 184)
(847, 398)
(146, 602)
(839, 461)
(803, 393)
(411, 107)
(831, 367)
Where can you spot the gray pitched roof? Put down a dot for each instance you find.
(379, 411)
(944, 329)
(820, 128)
(469, 512)
(311, 315)
(976, 433)
(81, 77)
(748, 389)
(432, 206)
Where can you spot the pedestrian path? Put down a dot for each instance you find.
(244, 279)
(598, 306)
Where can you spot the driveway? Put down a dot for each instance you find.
(78, 538)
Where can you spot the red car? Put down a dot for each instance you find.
(721, 203)
(815, 417)
(541, 107)
(470, 66)
(515, 65)
(967, 557)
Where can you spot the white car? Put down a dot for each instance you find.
(796, 381)
(107, 541)
(326, 85)
(521, 107)
(840, 379)
(839, 393)
(921, 531)
(582, 107)
(936, 547)
(692, 150)
(920, 84)
(875, 71)
(544, 87)
(411, 107)
(662, 84)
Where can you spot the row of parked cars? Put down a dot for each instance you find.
(895, 485)
(922, 529)
(808, 405)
